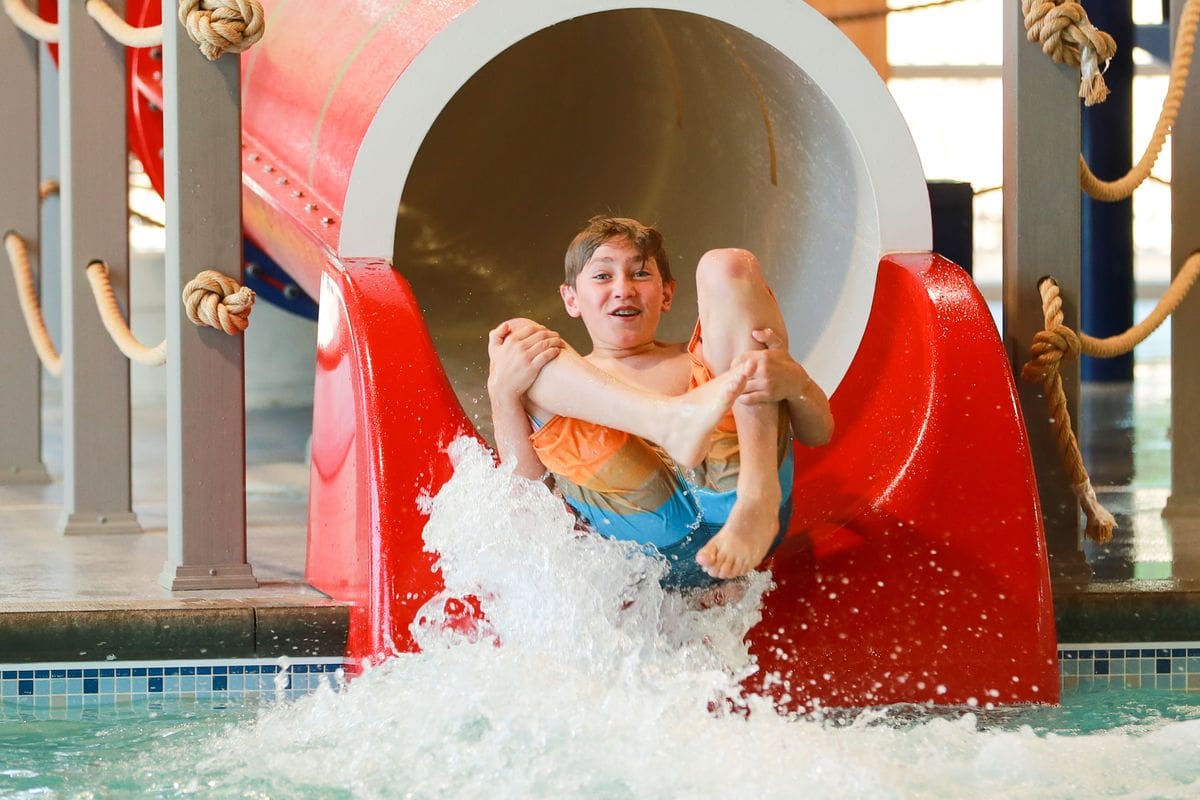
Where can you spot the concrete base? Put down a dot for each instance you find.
(181, 578)
(81, 523)
(1185, 543)
(1069, 570)
(27, 475)
(171, 629)
(1128, 612)
(1179, 508)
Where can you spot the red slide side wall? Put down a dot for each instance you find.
(915, 568)
(916, 565)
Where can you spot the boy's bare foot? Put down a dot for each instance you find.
(694, 415)
(743, 542)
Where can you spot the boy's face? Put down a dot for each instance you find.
(619, 295)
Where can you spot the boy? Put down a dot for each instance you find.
(590, 421)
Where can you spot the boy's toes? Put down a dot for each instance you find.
(711, 561)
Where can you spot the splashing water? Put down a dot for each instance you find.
(588, 680)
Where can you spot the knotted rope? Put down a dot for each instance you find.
(31, 309)
(1121, 188)
(211, 299)
(1057, 343)
(217, 26)
(218, 301)
(1066, 34)
(221, 26)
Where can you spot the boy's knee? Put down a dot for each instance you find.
(719, 267)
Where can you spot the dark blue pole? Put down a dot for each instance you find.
(1107, 246)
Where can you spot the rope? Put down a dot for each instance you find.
(221, 26)
(875, 13)
(1057, 343)
(210, 299)
(1063, 30)
(218, 301)
(114, 323)
(30, 23)
(217, 26)
(1120, 344)
(120, 30)
(1119, 189)
(31, 310)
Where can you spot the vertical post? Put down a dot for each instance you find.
(20, 388)
(1183, 506)
(49, 251)
(97, 496)
(1107, 279)
(206, 422)
(1041, 236)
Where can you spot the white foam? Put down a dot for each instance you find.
(602, 685)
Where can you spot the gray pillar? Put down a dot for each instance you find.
(206, 423)
(50, 253)
(94, 194)
(1041, 236)
(20, 389)
(1183, 506)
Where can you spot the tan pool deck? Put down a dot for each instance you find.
(83, 598)
(97, 597)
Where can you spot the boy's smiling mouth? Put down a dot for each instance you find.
(625, 311)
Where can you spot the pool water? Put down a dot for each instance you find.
(1105, 743)
(605, 686)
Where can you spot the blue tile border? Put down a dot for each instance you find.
(78, 684)
(1130, 665)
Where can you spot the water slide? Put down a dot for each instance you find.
(419, 167)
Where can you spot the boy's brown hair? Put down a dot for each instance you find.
(644, 238)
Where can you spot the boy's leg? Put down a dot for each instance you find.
(570, 386)
(734, 300)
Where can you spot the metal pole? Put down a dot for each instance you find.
(97, 496)
(206, 422)
(1107, 280)
(1041, 236)
(20, 389)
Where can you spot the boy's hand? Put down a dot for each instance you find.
(775, 376)
(517, 350)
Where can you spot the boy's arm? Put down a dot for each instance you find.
(777, 377)
(517, 351)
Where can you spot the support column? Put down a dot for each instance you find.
(1183, 506)
(20, 390)
(206, 420)
(1041, 236)
(97, 496)
(49, 251)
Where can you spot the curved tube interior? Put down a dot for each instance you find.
(671, 117)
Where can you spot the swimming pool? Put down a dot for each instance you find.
(605, 686)
(1098, 743)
